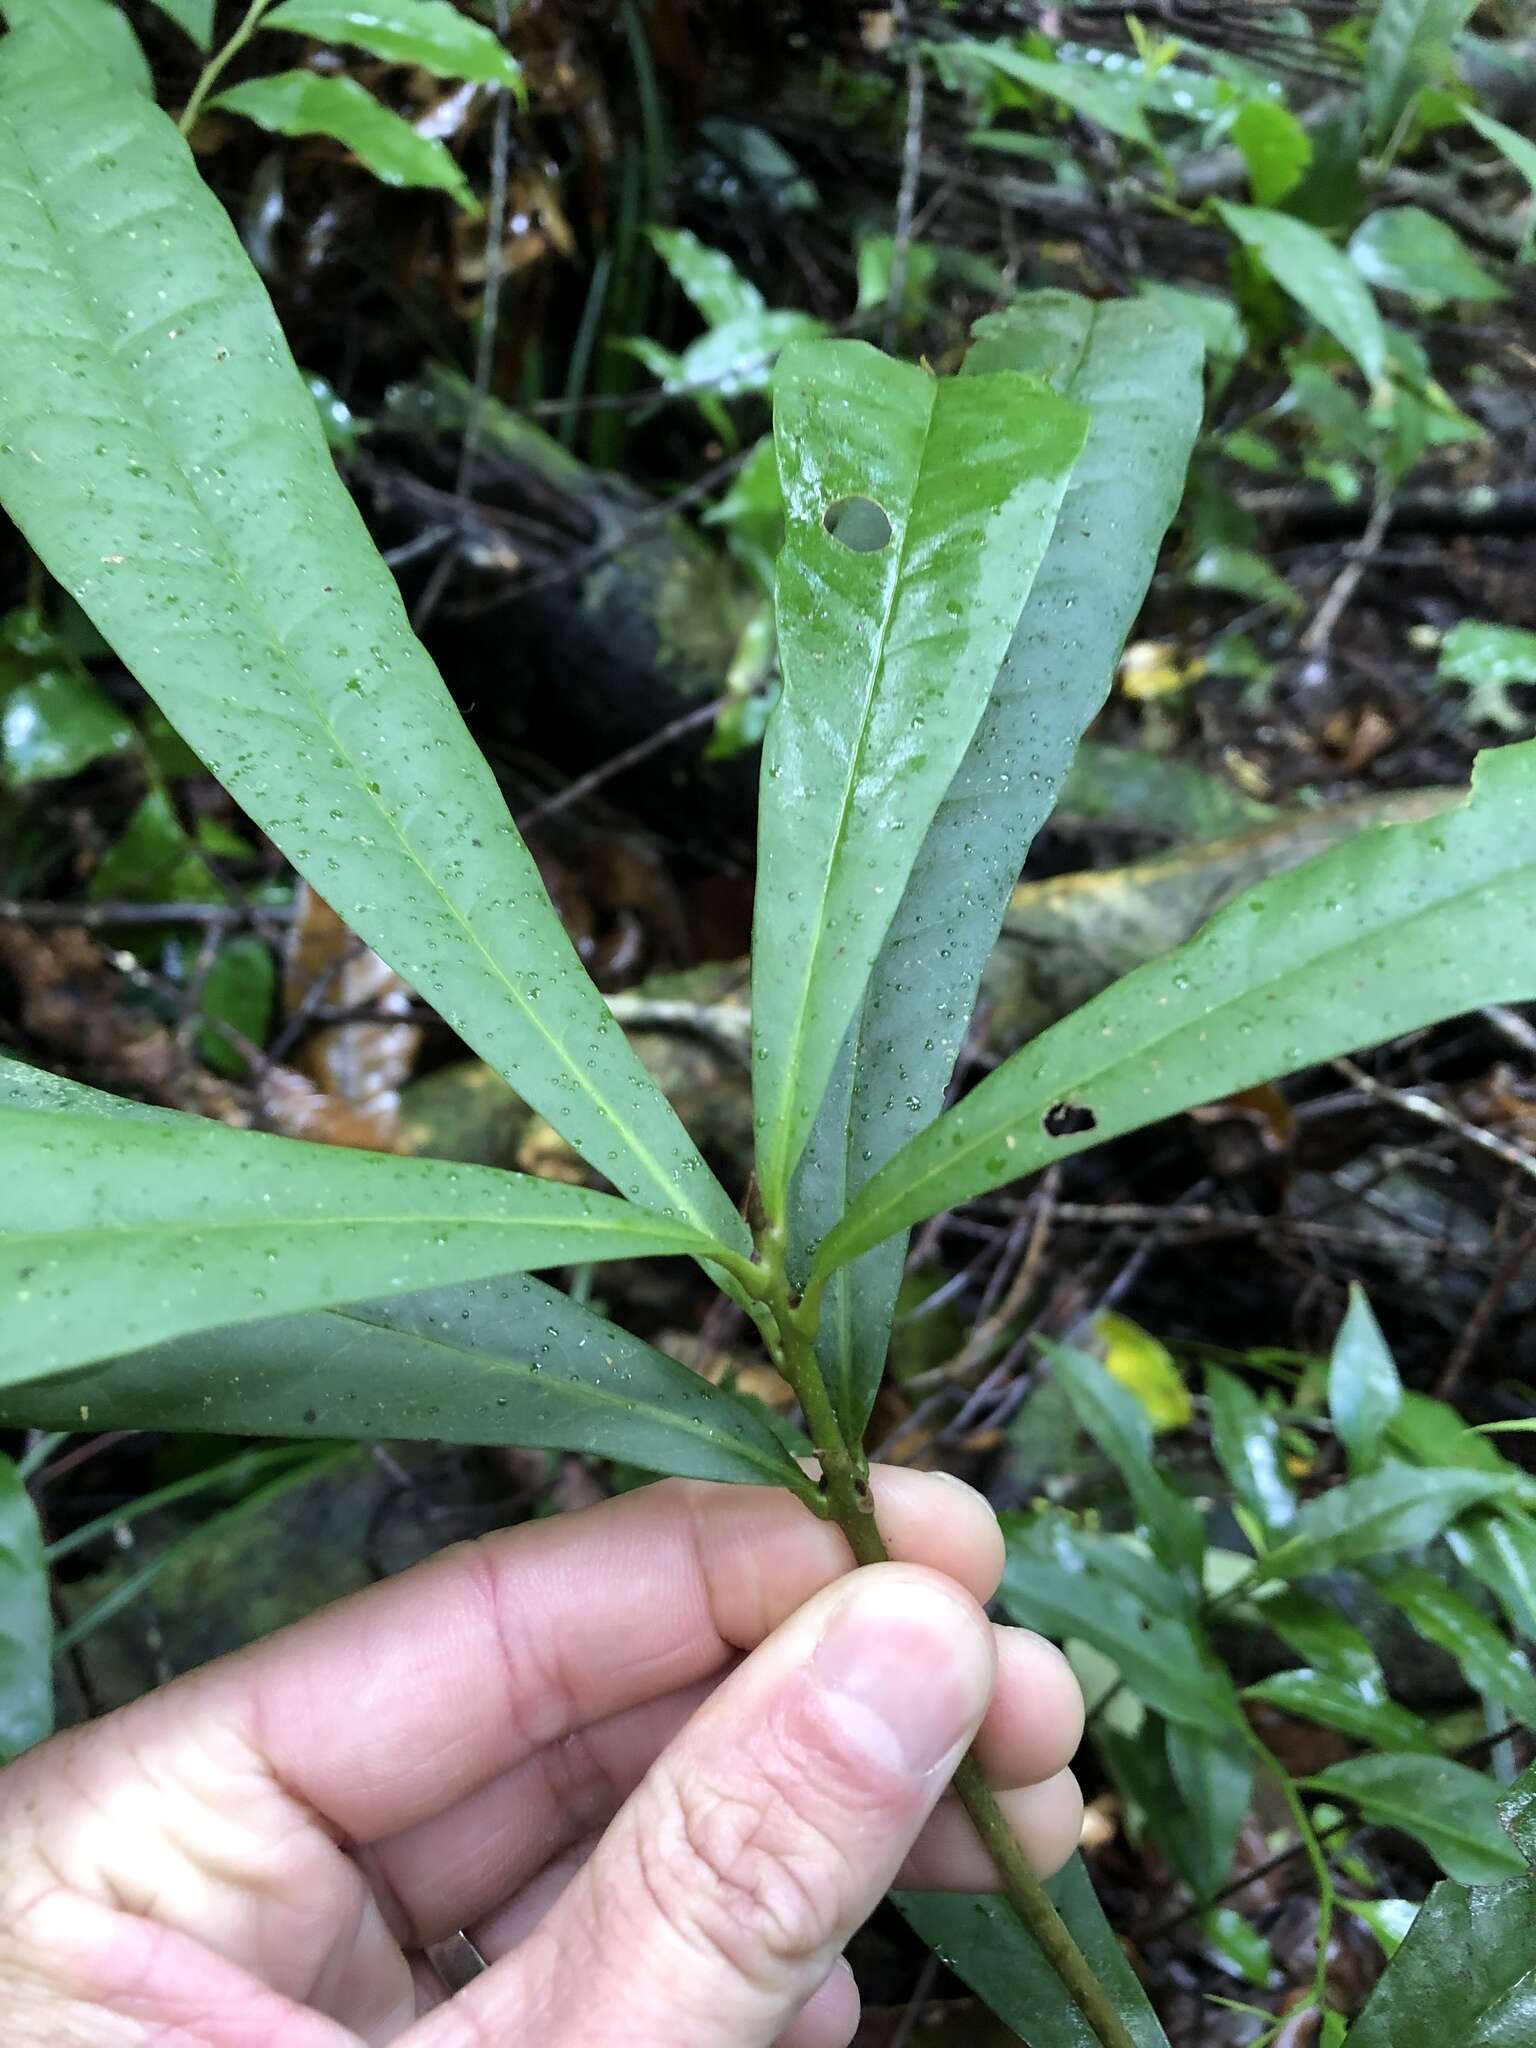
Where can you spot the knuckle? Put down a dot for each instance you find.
(745, 1877)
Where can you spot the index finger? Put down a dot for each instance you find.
(384, 1709)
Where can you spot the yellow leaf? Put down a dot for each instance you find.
(1152, 668)
(1140, 1363)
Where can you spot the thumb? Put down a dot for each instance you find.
(719, 1899)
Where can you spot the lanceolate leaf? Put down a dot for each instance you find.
(917, 511)
(982, 1940)
(1410, 46)
(1465, 1976)
(1492, 1664)
(434, 35)
(1119, 1425)
(1453, 1811)
(1396, 928)
(1394, 1509)
(1364, 1391)
(306, 103)
(1500, 1550)
(26, 1625)
(1139, 374)
(161, 453)
(1246, 1439)
(1306, 264)
(503, 1361)
(1336, 1703)
(124, 1232)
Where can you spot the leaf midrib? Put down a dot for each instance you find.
(433, 1218)
(223, 554)
(783, 1164)
(1144, 1047)
(587, 1390)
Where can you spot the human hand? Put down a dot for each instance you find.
(553, 1740)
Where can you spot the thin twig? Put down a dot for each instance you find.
(1477, 1323)
(1432, 1112)
(906, 194)
(92, 917)
(653, 743)
(219, 62)
(1318, 637)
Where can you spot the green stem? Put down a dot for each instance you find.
(217, 64)
(1327, 1891)
(846, 1482)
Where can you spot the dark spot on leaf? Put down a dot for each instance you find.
(859, 524)
(1066, 1119)
(309, 1415)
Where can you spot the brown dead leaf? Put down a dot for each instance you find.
(356, 1069)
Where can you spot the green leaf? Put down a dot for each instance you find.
(96, 33)
(1242, 571)
(1404, 249)
(1138, 373)
(981, 1939)
(162, 454)
(1395, 928)
(1318, 1633)
(1103, 1591)
(1409, 47)
(1213, 1778)
(717, 288)
(26, 1623)
(1397, 1508)
(1517, 148)
(193, 17)
(1246, 1439)
(740, 354)
(1500, 1551)
(1238, 1943)
(1274, 146)
(1336, 1703)
(1454, 1812)
(890, 639)
(1122, 1429)
(1364, 1391)
(1114, 103)
(1464, 1977)
(1324, 283)
(503, 1361)
(1388, 1919)
(240, 990)
(432, 34)
(124, 1232)
(305, 103)
(1492, 1664)
(54, 721)
(1517, 1810)
(1489, 658)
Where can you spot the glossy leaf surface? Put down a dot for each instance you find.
(1364, 1391)
(194, 16)
(123, 1232)
(1246, 1439)
(503, 1361)
(1404, 249)
(1397, 1508)
(917, 511)
(1335, 1703)
(307, 103)
(1113, 102)
(981, 1939)
(1464, 1975)
(1491, 1663)
(1395, 928)
(26, 1623)
(1139, 375)
(1321, 280)
(161, 453)
(431, 34)
(1499, 1550)
(1453, 1811)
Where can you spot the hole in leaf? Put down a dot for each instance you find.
(859, 524)
(1066, 1119)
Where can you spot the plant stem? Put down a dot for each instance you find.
(845, 1479)
(214, 69)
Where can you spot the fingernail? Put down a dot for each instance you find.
(906, 1670)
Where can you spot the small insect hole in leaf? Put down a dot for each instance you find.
(1066, 1119)
(859, 524)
